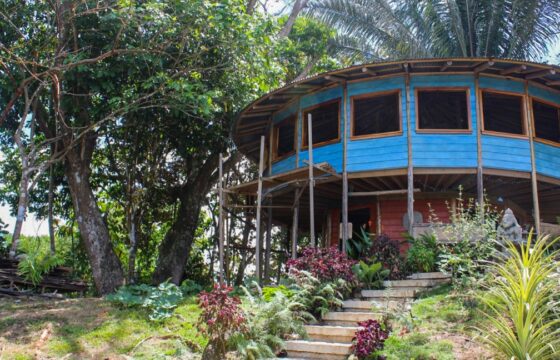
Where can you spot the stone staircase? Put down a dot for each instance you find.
(331, 339)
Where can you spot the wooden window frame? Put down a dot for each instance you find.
(372, 95)
(275, 134)
(467, 91)
(523, 114)
(304, 124)
(549, 103)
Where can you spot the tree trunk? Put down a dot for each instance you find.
(106, 267)
(244, 249)
(21, 210)
(50, 210)
(133, 248)
(289, 24)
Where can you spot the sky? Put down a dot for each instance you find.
(34, 227)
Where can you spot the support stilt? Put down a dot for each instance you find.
(259, 202)
(311, 182)
(534, 183)
(221, 219)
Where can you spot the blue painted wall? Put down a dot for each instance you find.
(506, 153)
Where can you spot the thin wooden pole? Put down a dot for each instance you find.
(410, 170)
(378, 206)
(479, 169)
(295, 230)
(534, 183)
(259, 200)
(311, 182)
(268, 246)
(345, 234)
(221, 218)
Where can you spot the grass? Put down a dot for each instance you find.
(93, 328)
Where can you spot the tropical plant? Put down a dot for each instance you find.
(315, 296)
(326, 264)
(3, 241)
(439, 28)
(269, 292)
(422, 255)
(358, 245)
(387, 252)
(520, 301)
(221, 318)
(371, 276)
(160, 300)
(369, 339)
(35, 262)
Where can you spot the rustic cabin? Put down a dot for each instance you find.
(382, 145)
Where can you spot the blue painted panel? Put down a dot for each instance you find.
(547, 159)
(501, 84)
(285, 112)
(506, 153)
(328, 153)
(444, 150)
(321, 96)
(284, 165)
(544, 94)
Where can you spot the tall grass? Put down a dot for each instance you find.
(521, 301)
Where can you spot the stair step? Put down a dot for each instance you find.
(330, 333)
(357, 305)
(418, 283)
(408, 293)
(438, 275)
(318, 349)
(348, 318)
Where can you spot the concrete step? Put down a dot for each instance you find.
(410, 283)
(330, 333)
(348, 318)
(318, 349)
(357, 305)
(408, 293)
(438, 275)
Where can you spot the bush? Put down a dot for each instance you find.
(161, 301)
(269, 292)
(369, 339)
(423, 253)
(221, 318)
(3, 239)
(36, 261)
(387, 252)
(521, 301)
(326, 264)
(357, 247)
(370, 276)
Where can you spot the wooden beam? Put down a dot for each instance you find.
(479, 161)
(541, 73)
(256, 114)
(513, 69)
(369, 71)
(534, 184)
(380, 193)
(553, 83)
(410, 168)
(483, 66)
(335, 78)
(311, 181)
(345, 234)
(267, 107)
(295, 221)
(259, 201)
(221, 218)
(378, 206)
(446, 65)
(268, 247)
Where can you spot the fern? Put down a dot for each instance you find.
(35, 264)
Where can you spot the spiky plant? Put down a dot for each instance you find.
(520, 301)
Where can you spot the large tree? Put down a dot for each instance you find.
(522, 29)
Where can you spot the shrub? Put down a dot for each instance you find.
(520, 302)
(370, 276)
(369, 339)
(190, 287)
(326, 264)
(3, 241)
(357, 247)
(269, 292)
(387, 252)
(423, 253)
(161, 301)
(36, 261)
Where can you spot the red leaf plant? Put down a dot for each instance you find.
(369, 338)
(221, 317)
(326, 264)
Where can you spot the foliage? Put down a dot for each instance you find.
(369, 339)
(521, 299)
(269, 292)
(315, 296)
(358, 245)
(3, 241)
(468, 240)
(161, 301)
(35, 262)
(422, 255)
(439, 28)
(417, 346)
(221, 318)
(189, 287)
(387, 252)
(326, 264)
(371, 276)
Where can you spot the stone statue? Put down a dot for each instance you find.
(509, 228)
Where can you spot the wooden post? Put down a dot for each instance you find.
(311, 182)
(268, 247)
(259, 201)
(378, 205)
(534, 184)
(345, 234)
(295, 230)
(221, 218)
(410, 170)
(479, 169)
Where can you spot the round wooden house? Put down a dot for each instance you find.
(392, 142)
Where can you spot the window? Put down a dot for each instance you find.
(503, 113)
(376, 114)
(444, 109)
(325, 122)
(547, 121)
(284, 137)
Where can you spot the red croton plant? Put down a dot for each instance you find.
(221, 317)
(369, 338)
(326, 264)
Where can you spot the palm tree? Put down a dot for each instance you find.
(396, 29)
